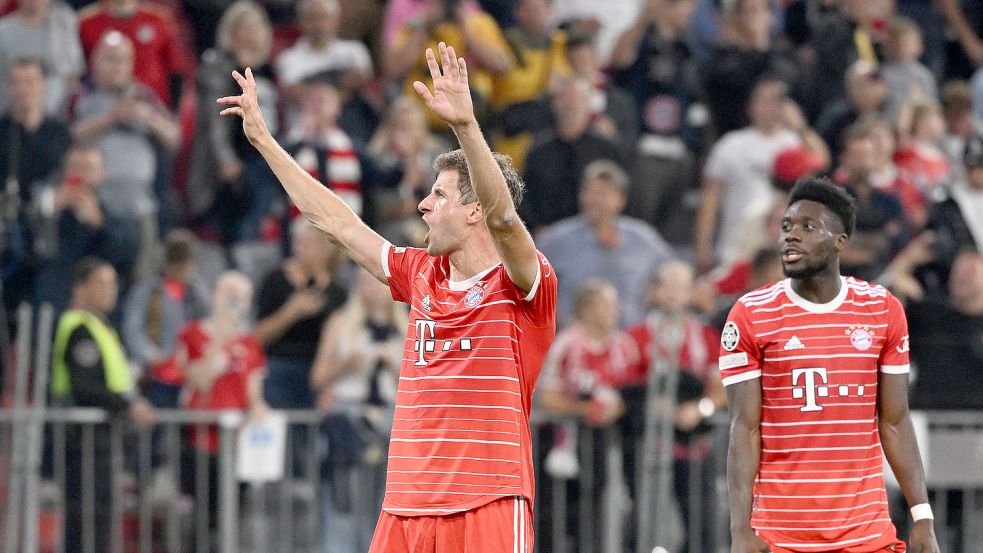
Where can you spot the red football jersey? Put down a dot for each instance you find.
(158, 53)
(474, 350)
(578, 363)
(820, 483)
(240, 359)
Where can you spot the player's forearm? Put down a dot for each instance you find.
(321, 206)
(901, 449)
(743, 458)
(487, 179)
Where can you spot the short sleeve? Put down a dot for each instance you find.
(540, 301)
(894, 355)
(740, 358)
(717, 163)
(400, 265)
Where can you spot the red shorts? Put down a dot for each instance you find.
(502, 526)
(897, 547)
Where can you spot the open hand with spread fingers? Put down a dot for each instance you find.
(247, 106)
(451, 97)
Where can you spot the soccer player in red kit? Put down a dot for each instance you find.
(816, 373)
(482, 299)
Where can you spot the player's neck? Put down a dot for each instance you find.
(820, 289)
(474, 256)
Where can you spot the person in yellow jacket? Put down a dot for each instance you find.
(89, 369)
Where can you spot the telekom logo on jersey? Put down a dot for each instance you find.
(426, 341)
(814, 384)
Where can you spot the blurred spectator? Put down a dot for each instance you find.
(947, 340)
(32, 146)
(699, 393)
(745, 54)
(977, 91)
(657, 65)
(47, 31)
(960, 121)
(360, 350)
(537, 53)
(613, 110)
(737, 189)
(355, 375)
(842, 38)
(153, 37)
(322, 148)
(204, 16)
(791, 164)
(881, 228)
(89, 369)
(887, 176)
(70, 221)
(957, 221)
(462, 24)
(559, 156)
(716, 295)
(583, 370)
(292, 305)
(229, 180)
(866, 94)
(319, 50)
(399, 13)
(904, 76)
(156, 310)
(604, 20)
(128, 124)
(223, 365)
(921, 158)
(601, 243)
(966, 18)
(400, 158)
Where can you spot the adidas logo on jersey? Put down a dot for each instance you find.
(426, 302)
(793, 343)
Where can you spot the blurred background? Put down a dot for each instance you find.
(147, 250)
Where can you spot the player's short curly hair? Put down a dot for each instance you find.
(834, 198)
(455, 160)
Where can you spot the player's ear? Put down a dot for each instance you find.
(841, 240)
(475, 215)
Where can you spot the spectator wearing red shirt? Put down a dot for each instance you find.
(223, 367)
(152, 29)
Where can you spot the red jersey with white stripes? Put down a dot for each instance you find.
(820, 485)
(474, 350)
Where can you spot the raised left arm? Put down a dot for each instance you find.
(901, 449)
(451, 101)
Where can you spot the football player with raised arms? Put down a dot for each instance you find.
(482, 301)
(816, 372)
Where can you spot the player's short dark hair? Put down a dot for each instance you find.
(834, 198)
(85, 268)
(455, 160)
(180, 246)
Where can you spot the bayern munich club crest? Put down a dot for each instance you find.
(474, 296)
(861, 337)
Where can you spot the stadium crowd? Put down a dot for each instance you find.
(657, 140)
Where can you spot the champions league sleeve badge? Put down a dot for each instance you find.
(730, 336)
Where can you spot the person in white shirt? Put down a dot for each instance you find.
(319, 50)
(737, 190)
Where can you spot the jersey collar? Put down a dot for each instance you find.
(811, 307)
(464, 285)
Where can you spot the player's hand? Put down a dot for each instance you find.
(747, 542)
(922, 539)
(247, 106)
(451, 98)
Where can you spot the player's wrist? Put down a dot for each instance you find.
(469, 125)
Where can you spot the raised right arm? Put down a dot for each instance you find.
(322, 207)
